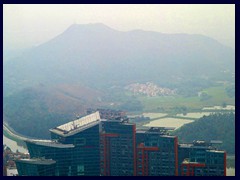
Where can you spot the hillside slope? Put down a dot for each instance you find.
(33, 111)
(98, 56)
(91, 63)
(213, 127)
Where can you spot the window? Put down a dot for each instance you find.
(80, 141)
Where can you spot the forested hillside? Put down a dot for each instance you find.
(220, 126)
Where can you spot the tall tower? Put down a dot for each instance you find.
(74, 149)
(117, 147)
(157, 153)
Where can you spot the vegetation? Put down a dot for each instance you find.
(193, 115)
(33, 112)
(179, 104)
(52, 83)
(230, 90)
(219, 126)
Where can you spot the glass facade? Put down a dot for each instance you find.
(50, 150)
(90, 147)
(117, 148)
(85, 154)
(36, 167)
(156, 153)
(201, 159)
(74, 147)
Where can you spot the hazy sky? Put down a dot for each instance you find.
(29, 25)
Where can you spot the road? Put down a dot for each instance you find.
(11, 132)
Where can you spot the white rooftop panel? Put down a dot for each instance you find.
(80, 122)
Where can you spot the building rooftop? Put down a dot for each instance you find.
(208, 147)
(163, 131)
(51, 144)
(39, 161)
(78, 125)
(123, 121)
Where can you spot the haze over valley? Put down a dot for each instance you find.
(167, 68)
(89, 65)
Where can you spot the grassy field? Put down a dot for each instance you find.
(218, 96)
(166, 103)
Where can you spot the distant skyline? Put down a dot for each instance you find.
(27, 25)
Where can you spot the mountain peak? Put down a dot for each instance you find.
(90, 26)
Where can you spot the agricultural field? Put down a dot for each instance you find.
(168, 122)
(165, 103)
(217, 96)
(194, 115)
(228, 107)
(154, 115)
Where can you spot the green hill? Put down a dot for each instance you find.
(220, 126)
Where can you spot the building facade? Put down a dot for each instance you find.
(36, 167)
(117, 148)
(74, 147)
(201, 159)
(157, 153)
(95, 146)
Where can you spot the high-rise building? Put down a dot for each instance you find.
(157, 153)
(84, 135)
(61, 153)
(74, 147)
(201, 159)
(117, 147)
(110, 146)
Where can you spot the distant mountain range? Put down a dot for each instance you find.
(96, 57)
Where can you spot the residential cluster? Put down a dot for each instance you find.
(149, 89)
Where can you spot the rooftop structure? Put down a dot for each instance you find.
(50, 144)
(109, 114)
(78, 125)
(156, 130)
